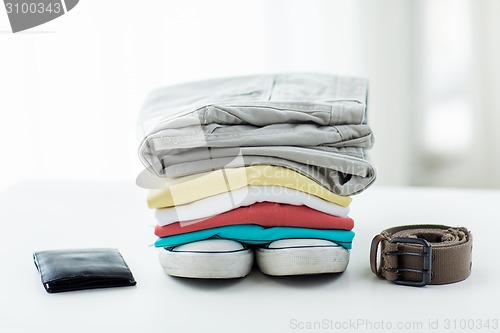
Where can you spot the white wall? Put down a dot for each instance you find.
(70, 90)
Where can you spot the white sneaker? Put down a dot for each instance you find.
(301, 257)
(208, 259)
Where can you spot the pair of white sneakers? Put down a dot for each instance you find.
(227, 259)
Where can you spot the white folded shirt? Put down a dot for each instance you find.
(245, 196)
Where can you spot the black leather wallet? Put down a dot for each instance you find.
(78, 269)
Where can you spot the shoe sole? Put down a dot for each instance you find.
(302, 260)
(207, 265)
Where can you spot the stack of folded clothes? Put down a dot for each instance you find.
(262, 164)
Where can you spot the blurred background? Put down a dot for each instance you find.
(71, 89)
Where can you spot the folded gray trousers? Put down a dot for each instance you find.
(312, 123)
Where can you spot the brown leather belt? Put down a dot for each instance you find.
(417, 255)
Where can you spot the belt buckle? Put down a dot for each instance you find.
(426, 255)
(374, 253)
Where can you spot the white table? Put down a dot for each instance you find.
(42, 215)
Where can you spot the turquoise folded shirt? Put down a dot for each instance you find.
(256, 234)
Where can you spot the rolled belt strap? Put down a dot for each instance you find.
(417, 255)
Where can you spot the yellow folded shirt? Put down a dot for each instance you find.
(183, 190)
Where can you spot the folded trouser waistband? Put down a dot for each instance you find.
(301, 135)
(258, 100)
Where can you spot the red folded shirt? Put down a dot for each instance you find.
(266, 214)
